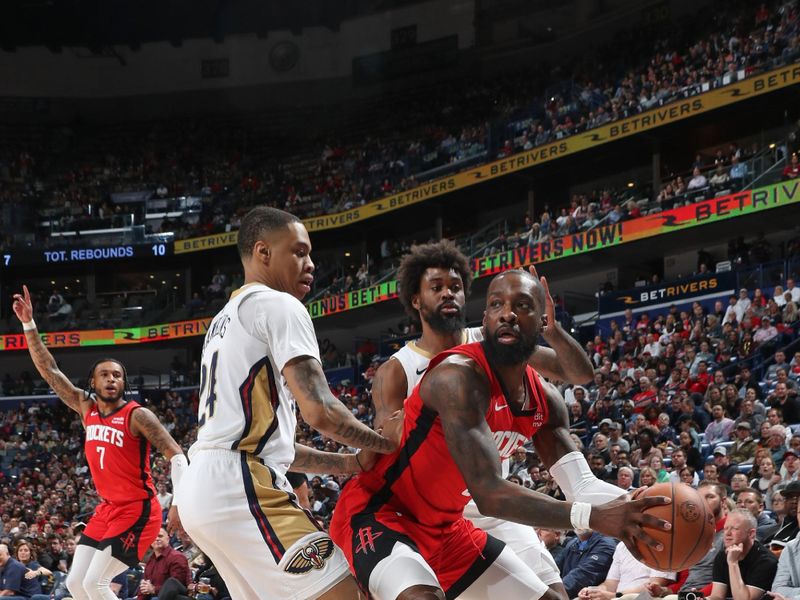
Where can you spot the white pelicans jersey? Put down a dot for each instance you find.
(244, 402)
(415, 360)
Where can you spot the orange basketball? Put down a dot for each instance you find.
(692, 530)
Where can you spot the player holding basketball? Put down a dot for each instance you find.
(434, 282)
(260, 357)
(119, 434)
(401, 524)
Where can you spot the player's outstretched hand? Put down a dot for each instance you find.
(549, 305)
(23, 307)
(174, 524)
(625, 520)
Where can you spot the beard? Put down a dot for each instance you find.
(107, 399)
(510, 354)
(444, 323)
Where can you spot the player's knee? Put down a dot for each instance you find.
(421, 592)
(75, 582)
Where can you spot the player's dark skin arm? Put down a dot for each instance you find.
(552, 441)
(145, 424)
(460, 395)
(71, 395)
(324, 412)
(389, 387)
(310, 460)
(565, 360)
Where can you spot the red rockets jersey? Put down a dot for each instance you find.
(119, 462)
(421, 480)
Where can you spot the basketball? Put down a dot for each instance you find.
(692, 530)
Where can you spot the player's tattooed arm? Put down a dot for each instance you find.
(144, 423)
(71, 395)
(310, 460)
(388, 390)
(326, 413)
(460, 396)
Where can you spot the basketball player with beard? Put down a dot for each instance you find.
(434, 282)
(119, 434)
(401, 524)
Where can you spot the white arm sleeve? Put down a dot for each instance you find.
(282, 323)
(179, 464)
(576, 480)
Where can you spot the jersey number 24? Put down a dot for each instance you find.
(208, 390)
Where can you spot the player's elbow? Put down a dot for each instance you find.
(321, 417)
(585, 372)
(488, 502)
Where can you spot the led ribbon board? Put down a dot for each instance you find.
(709, 211)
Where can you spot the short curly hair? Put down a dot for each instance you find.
(439, 255)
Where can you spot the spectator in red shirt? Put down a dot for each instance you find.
(164, 563)
(699, 384)
(645, 397)
(792, 170)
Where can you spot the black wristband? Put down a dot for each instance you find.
(360, 466)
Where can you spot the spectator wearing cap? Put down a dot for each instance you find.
(327, 496)
(744, 447)
(787, 526)
(790, 467)
(786, 585)
(604, 426)
(765, 332)
(720, 428)
(725, 468)
(615, 437)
